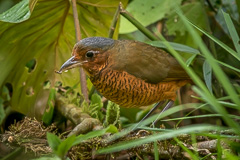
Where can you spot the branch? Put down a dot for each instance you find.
(84, 122)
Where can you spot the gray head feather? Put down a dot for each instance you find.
(97, 42)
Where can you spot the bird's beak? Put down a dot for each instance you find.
(69, 64)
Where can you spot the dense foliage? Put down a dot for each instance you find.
(37, 36)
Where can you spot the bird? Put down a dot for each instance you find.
(128, 72)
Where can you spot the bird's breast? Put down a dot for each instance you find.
(130, 91)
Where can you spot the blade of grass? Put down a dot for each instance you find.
(219, 147)
(189, 61)
(156, 129)
(226, 98)
(230, 105)
(149, 120)
(156, 153)
(200, 116)
(159, 136)
(228, 66)
(211, 99)
(190, 153)
(232, 31)
(212, 135)
(220, 75)
(201, 106)
(218, 72)
(176, 46)
(194, 143)
(221, 100)
(216, 135)
(221, 44)
(220, 109)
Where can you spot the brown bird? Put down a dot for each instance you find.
(127, 72)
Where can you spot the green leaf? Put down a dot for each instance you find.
(96, 99)
(2, 111)
(189, 60)
(48, 114)
(53, 141)
(47, 36)
(18, 13)
(112, 114)
(142, 10)
(60, 147)
(109, 129)
(65, 146)
(221, 44)
(5, 93)
(232, 31)
(176, 46)
(207, 74)
(193, 11)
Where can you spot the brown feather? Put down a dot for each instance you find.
(149, 63)
(129, 91)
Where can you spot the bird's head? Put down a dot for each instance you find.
(89, 53)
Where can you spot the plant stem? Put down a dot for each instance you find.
(114, 22)
(83, 81)
(131, 19)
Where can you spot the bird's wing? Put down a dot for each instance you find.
(146, 62)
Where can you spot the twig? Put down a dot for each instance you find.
(76, 21)
(131, 19)
(83, 80)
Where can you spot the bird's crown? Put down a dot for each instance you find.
(96, 42)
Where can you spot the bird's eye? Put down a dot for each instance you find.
(89, 54)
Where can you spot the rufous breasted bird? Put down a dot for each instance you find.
(127, 72)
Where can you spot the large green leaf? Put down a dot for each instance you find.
(194, 11)
(147, 12)
(43, 30)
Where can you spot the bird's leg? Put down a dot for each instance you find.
(168, 105)
(149, 113)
